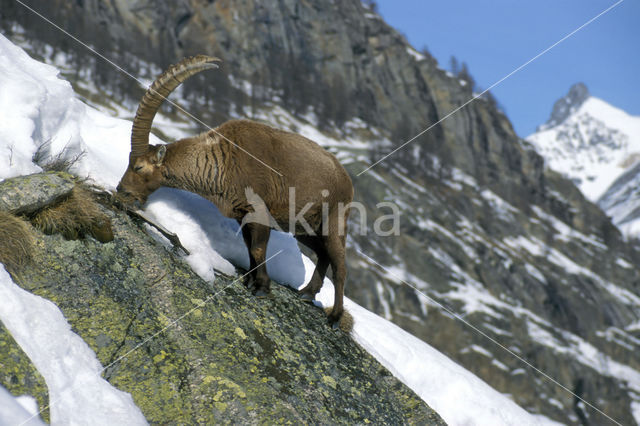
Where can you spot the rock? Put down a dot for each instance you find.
(17, 373)
(468, 186)
(198, 352)
(27, 194)
(563, 107)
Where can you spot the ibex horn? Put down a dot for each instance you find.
(156, 94)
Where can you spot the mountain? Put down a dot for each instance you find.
(598, 147)
(500, 263)
(622, 201)
(118, 346)
(147, 335)
(588, 140)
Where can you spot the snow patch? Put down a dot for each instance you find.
(21, 410)
(417, 56)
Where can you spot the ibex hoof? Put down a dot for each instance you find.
(261, 293)
(248, 282)
(335, 324)
(307, 297)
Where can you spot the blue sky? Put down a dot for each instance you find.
(494, 37)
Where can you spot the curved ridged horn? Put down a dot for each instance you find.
(156, 94)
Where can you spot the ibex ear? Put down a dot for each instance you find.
(162, 151)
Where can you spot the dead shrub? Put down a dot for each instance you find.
(16, 242)
(61, 162)
(75, 217)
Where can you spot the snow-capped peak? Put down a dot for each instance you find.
(588, 140)
(566, 105)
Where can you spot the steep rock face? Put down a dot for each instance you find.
(487, 231)
(567, 105)
(192, 351)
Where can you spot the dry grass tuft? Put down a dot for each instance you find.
(17, 246)
(346, 321)
(75, 217)
(61, 162)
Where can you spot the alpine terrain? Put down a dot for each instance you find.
(499, 261)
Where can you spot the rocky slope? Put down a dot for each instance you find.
(487, 230)
(622, 201)
(231, 357)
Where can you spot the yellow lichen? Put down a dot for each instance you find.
(329, 381)
(240, 333)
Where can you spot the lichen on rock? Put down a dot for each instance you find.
(191, 351)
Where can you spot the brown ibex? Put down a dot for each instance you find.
(238, 158)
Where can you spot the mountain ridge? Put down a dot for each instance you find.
(588, 140)
(598, 146)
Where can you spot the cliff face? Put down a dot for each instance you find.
(194, 351)
(486, 230)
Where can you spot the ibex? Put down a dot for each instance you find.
(242, 157)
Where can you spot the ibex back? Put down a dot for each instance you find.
(242, 161)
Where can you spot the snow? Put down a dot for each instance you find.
(539, 249)
(42, 107)
(623, 263)
(503, 209)
(585, 353)
(77, 392)
(622, 201)
(478, 349)
(565, 232)
(20, 410)
(535, 273)
(635, 410)
(417, 56)
(214, 240)
(458, 396)
(592, 146)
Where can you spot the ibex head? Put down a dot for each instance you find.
(144, 173)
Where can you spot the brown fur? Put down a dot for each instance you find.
(74, 217)
(240, 155)
(18, 244)
(346, 320)
(216, 169)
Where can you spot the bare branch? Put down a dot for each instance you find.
(172, 237)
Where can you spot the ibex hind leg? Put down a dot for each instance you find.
(317, 244)
(336, 251)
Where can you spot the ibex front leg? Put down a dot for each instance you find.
(256, 237)
(249, 279)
